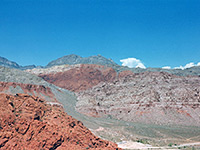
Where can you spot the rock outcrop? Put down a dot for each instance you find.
(150, 97)
(35, 90)
(28, 122)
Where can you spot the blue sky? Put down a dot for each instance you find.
(158, 32)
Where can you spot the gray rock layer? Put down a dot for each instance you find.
(75, 59)
(150, 97)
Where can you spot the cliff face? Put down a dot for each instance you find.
(28, 122)
(158, 98)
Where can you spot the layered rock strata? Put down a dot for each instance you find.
(150, 97)
(35, 90)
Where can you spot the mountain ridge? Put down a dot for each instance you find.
(75, 59)
(99, 60)
(11, 64)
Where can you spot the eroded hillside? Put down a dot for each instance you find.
(78, 77)
(150, 97)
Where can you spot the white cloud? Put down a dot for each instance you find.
(181, 67)
(189, 65)
(166, 67)
(132, 63)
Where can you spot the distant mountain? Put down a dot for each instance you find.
(75, 59)
(7, 63)
(11, 64)
(193, 71)
(28, 67)
(99, 60)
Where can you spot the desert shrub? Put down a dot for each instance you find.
(170, 144)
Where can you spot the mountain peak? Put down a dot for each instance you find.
(7, 63)
(11, 64)
(75, 59)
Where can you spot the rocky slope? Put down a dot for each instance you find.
(150, 97)
(81, 78)
(28, 122)
(78, 77)
(75, 59)
(17, 81)
(32, 89)
(7, 63)
(193, 71)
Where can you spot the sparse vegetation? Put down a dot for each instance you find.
(143, 141)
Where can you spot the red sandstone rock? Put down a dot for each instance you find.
(125, 73)
(33, 89)
(27, 122)
(82, 78)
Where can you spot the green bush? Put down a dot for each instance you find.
(170, 144)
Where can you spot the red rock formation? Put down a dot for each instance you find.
(27, 122)
(78, 79)
(125, 73)
(84, 77)
(28, 88)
